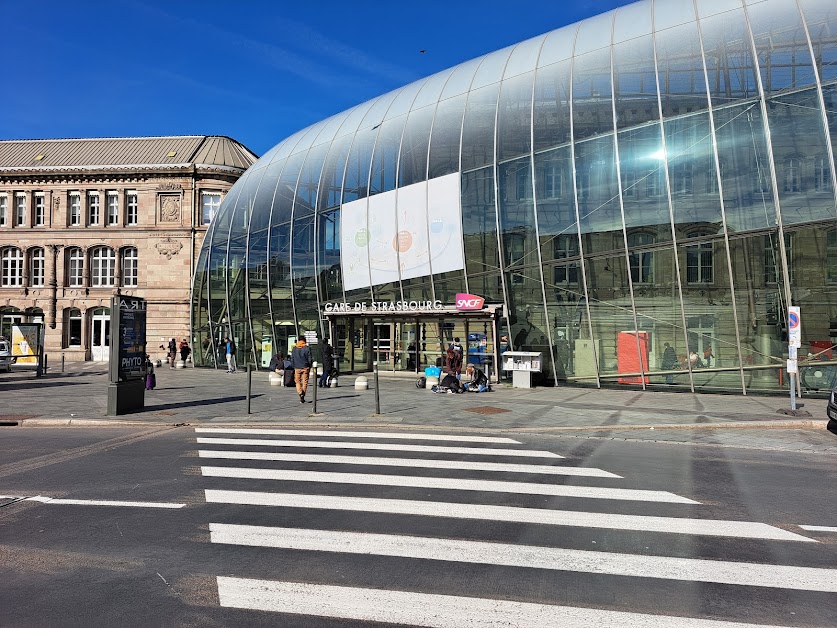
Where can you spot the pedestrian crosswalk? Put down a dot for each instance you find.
(467, 504)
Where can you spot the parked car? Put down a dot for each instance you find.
(6, 358)
(831, 411)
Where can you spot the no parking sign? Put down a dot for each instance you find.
(794, 327)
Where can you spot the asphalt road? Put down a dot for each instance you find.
(295, 529)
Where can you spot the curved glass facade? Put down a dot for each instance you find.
(644, 193)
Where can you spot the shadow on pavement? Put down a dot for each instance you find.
(38, 384)
(200, 402)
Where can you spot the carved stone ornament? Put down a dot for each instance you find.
(169, 186)
(169, 208)
(168, 247)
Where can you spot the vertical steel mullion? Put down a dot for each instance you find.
(670, 204)
(617, 161)
(535, 213)
(496, 167)
(247, 305)
(209, 233)
(718, 178)
(770, 160)
(578, 215)
(832, 165)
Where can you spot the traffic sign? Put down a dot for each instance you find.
(794, 327)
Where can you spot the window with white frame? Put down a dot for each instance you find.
(132, 208)
(102, 267)
(40, 209)
(210, 203)
(772, 258)
(93, 208)
(20, 209)
(36, 268)
(700, 263)
(564, 247)
(642, 262)
(113, 207)
(12, 268)
(822, 174)
(4, 209)
(793, 175)
(130, 268)
(75, 209)
(75, 268)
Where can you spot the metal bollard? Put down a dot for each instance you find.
(249, 385)
(377, 393)
(316, 385)
(46, 362)
(62, 362)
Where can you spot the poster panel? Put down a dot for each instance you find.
(354, 237)
(25, 343)
(383, 238)
(414, 253)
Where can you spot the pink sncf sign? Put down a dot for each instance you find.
(465, 302)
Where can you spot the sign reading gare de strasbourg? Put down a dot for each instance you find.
(464, 303)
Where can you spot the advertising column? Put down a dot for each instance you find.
(126, 390)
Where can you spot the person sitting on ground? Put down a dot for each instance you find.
(479, 380)
(276, 363)
(450, 384)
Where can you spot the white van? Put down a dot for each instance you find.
(5, 355)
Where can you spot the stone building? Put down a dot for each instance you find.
(82, 220)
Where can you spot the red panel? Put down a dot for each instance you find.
(627, 359)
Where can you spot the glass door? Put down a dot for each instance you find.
(100, 345)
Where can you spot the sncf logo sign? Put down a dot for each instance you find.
(466, 302)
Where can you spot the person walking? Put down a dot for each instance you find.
(230, 349)
(669, 362)
(150, 377)
(301, 361)
(185, 350)
(172, 352)
(328, 363)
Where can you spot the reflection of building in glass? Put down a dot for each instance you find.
(660, 175)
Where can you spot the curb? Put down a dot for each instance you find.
(772, 424)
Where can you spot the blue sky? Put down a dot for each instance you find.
(256, 71)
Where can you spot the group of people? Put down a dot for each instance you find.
(296, 368)
(451, 382)
(173, 349)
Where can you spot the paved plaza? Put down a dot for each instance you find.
(196, 396)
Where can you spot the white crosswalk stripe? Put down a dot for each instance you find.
(409, 462)
(399, 603)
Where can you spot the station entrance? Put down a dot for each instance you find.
(409, 342)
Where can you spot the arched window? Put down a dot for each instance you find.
(12, 268)
(75, 268)
(72, 327)
(102, 267)
(36, 268)
(129, 268)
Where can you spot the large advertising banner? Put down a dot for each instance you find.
(409, 232)
(26, 343)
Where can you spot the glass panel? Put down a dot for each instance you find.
(821, 17)
(830, 99)
(460, 80)
(745, 170)
(218, 253)
(614, 334)
(729, 61)
(431, 90)
(328, 256)
(592, 108)
(632, 21)
(478, 129)
(377, 111)
(657, 301)
(680, 65)
(491, 69)
(304, 270)
(552, 106)
(799, 152)
(781, 45)
(330, 127)
(524, 57)
(598, 196)
(558, 45)
(404, 101)
(354, 118)
(691, 174)
(635, 82)
(385, 159)
(357, 168)
(594, 33)
(557, 225)
(515, 117)
(711, 7)
(761, 306)
(644, 198)
(413, 159)
(668, 14)
(446, 135)
(331, 180)
(480, 234)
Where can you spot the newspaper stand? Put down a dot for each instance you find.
(522, 364)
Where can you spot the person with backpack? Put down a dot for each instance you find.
(185, 350)
(301, 361)
(229, 346)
